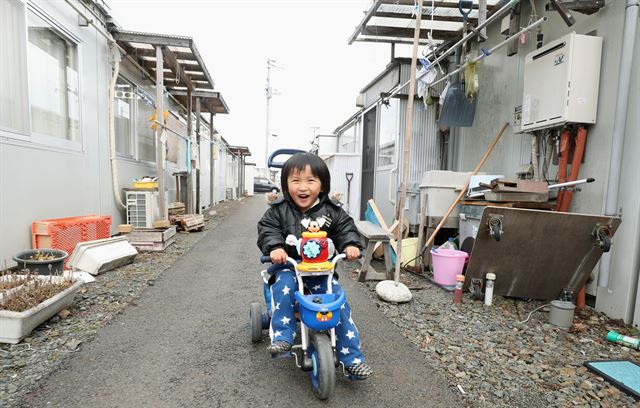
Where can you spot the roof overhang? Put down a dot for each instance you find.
(184, 70)
(393, 21)
(240, 150)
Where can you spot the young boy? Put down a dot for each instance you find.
(306, 182)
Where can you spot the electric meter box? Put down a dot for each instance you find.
(561, 83)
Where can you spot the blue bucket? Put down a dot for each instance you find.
(320, 311)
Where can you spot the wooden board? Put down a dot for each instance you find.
(153, 246)
(146, 235)
(540, 252)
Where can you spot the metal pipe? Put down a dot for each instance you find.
(619, 124)
(465, 38)
(160, 155)
(490, 51)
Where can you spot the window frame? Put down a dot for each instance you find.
(60, 30)
(390, 166)
(133, 112)
(6, 132)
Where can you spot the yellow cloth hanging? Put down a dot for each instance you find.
(471, 81)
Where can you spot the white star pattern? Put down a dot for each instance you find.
(351, 320)
(351, 334)
(343, 306)
(285, 320)
(339, 323)
(286, 290)
(345, 351)
(277, 306)
(278, 280)
(335, 282)
(316, 287)
(277, 333)
(357, 361)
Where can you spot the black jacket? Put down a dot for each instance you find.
(283, 218)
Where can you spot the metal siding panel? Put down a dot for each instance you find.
(340, 164)
(424, 152)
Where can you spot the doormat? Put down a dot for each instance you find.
(624, 374)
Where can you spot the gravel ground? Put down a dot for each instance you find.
(494, 361)
(489, 358)
(37, 356)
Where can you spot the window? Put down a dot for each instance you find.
(146, 135)
(53, 82)
(347, 140)
(388, 133)
(14, 105)
(124, 112)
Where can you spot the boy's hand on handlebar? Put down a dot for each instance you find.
(278, 256)
(352, 253)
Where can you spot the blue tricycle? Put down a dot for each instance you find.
(318, 314)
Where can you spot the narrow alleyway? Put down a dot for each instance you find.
(186, 343)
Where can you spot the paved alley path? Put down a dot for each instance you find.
(186, 343)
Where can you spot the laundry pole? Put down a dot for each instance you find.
(395, 291)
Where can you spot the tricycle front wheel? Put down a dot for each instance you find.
(323, 373)
(255, 322)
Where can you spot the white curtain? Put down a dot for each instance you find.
(53, 82)
(14, 109)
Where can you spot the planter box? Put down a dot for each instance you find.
(15, 326)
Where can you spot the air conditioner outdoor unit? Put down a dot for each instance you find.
(561, 83)
(142, 208)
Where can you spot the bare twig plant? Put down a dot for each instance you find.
(24, 290)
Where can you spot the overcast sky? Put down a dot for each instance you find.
(321, 74)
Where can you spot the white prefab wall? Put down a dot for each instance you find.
(339, 165)
(501, 87)
(42, 181)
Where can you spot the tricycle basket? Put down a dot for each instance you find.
(320, 311)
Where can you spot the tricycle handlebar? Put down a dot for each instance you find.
(267, 259)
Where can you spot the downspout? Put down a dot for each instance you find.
(619, 125)
(115, 62)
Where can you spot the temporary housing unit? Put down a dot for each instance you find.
(55, 152)
(376, 133)
(505, 95)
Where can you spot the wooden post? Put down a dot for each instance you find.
(189, 203)
(407, 137)
(160, 167)
(198, 162)
(212, 169)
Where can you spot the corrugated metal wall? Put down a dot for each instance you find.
(425, 150)
(424, 153)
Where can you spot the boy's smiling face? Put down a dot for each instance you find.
(304, 188)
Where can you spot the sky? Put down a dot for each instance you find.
(320, 75)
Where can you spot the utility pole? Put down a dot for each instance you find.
(314, 144)
(270, 92)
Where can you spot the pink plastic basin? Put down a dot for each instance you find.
(447, 263)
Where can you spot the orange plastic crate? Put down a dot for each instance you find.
(65, 233)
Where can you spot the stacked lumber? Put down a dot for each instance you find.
(188, 222)
(176, 208)
(152, 239)
(517, 191)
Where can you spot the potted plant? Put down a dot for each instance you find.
(43, 261)
(27, 300)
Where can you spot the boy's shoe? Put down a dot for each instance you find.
(360, 371)
(279, 347)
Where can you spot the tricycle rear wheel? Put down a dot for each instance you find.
(255, 322)
(323, 373)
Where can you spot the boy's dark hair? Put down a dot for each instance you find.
(298, 162)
